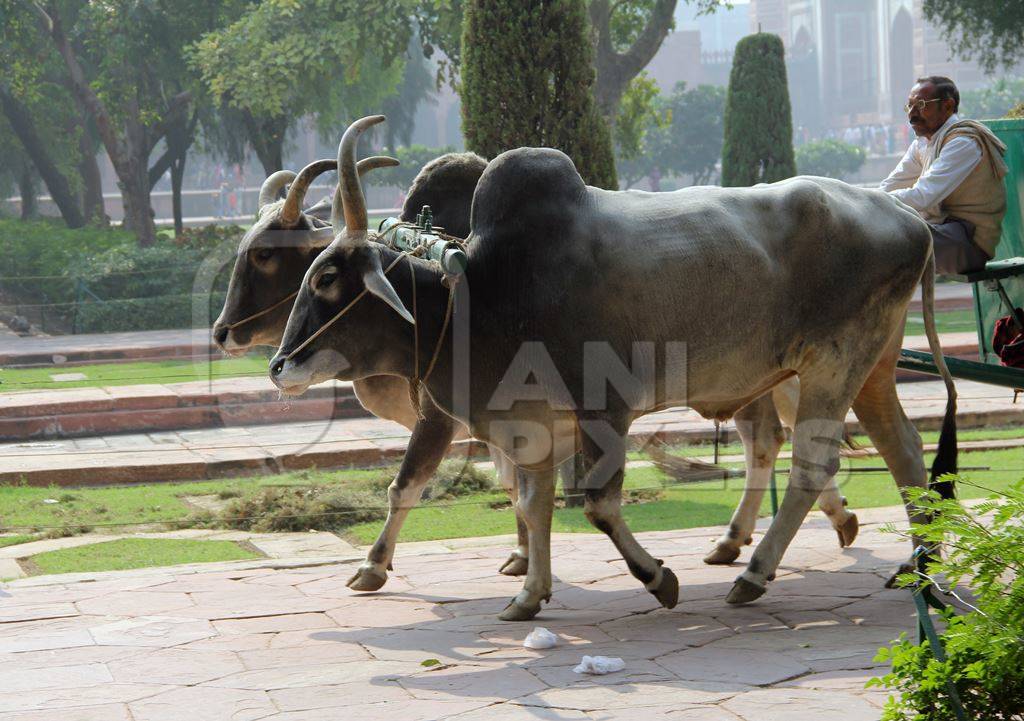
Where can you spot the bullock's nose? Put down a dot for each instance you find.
(276, 366)
(220, 335)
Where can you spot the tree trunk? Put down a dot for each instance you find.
(267, 139)
(124, 149)
(614, 69)
(138, 213)
(37, 150)
(93, 207)
(177, 175)
(27, 190)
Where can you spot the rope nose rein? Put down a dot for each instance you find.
(422, 248)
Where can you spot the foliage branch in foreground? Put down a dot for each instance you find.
(985, 646)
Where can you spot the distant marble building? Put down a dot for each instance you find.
(852, 62)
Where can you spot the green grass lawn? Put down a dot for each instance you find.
(124, 374)
(255, 364)
(15, 540)
(687, 506)
(23, 509)
(127, 553)
(946, 321)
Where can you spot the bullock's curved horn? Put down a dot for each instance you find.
(272, 186)
(292, 208)
(349, 204)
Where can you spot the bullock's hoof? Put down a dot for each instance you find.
(722, 555)
(518, 610)
(366, 579)
(744, 591)
(667, 591)
(516, 565)
(907, 567)
(847, 532)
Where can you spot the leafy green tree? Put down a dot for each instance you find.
(641, 113)
(400, 108)
(696, 132)
(758, 142)
(527, 79)
(683, 137)
(994, 100)
(830, 158)
(123, 61)
(43, 126)
(326, 59)
(989, 31)
(628, 34)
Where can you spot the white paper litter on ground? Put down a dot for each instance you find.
(540, 637)
(600, 665)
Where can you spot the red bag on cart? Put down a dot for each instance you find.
(1008, 342)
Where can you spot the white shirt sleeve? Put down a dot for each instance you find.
(958, 158)
(905, 174)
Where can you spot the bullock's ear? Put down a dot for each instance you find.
(378, 284)
(317, 239)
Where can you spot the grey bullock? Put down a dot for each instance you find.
(591, 308)
(271, 260)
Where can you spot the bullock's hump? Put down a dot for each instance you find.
(526, 187)
(446, 184)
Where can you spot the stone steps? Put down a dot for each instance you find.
(360, 442)
(221, 403)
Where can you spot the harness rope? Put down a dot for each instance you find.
(450, 281)
(254, 316)
(340, 313)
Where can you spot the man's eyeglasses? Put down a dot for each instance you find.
(919, 104)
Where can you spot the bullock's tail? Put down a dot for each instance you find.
(946, 455)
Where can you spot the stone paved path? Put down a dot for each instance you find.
(287, 641)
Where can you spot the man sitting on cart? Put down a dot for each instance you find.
(952, 175)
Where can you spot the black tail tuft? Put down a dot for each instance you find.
(946, 456)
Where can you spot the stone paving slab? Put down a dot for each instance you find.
(358, 442)
(284, 644)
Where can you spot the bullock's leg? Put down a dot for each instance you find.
(816, 439)
(536, 500)
(431, 437)
(603, 508)
(518, 560)
(759, 428)
(834, 505)
(880, 413)
(786, 397)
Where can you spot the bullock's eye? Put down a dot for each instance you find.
(264, 254)
(325, 279)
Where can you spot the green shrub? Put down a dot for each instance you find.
(164, 311)
(527, 80)
(99, 279)
(984, 647)
(757, 146)
(829, 158)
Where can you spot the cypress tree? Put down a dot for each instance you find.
(527, 80)
(758, 143)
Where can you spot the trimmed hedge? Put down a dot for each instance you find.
(92, 280)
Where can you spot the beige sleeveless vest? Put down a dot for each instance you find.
(981, 198)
